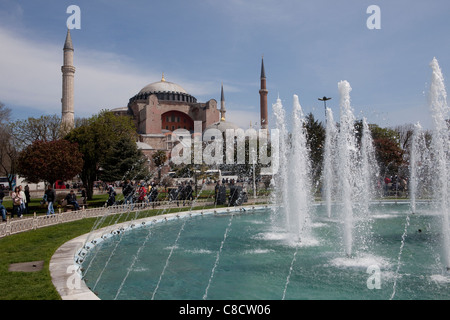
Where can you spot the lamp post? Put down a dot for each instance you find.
(325, 99)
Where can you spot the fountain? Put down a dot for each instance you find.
(347, 158)
(298, 248)
(293, 181)
(329, 156)
(440, 155)
(355, 169)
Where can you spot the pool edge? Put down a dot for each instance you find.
(64, 270)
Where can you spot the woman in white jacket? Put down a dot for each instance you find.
(17, 203)
(24, 201)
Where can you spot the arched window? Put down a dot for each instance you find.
(172, 120)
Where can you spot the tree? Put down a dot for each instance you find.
(8, 149)
(389, 154)
(44, 128)
(159, 158)
(5, 114)
(124, 161)
(95, 138)
(50, 161)
(315, 141)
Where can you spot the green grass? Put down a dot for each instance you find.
(33, 246)
(41, 244)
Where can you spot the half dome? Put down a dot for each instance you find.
(223, 126)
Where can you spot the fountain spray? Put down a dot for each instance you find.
(346, 144)
(440, 150)
(329, 156)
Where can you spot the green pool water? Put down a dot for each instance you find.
(245, 256)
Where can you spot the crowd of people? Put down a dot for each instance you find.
(395, 183)
(134, 193)
(20, 198)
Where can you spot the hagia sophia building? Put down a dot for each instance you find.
(159, 108)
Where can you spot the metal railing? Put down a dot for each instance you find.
(17, 225)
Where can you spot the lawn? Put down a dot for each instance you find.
(30, 246)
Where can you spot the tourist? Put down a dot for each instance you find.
(17, 202)
(387, 182)
(153, 194)
(189, 191)
(83, 195)
(3, 211)
(112, 196)
(23, 204)
(128, 191)
(27, 198)
(220, 194)
(142, 193)
(51, 196)
(71, 199)
(403, 184)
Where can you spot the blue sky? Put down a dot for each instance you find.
(308, 47)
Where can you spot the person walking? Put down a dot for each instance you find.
(51, 196)
(112, 196)
(128, 193)
(3, 212)
(27, 198)
(17, 202)
(23, 204)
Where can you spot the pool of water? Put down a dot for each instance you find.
(244, 256)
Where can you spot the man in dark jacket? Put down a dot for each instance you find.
(128, 192)
(50, 196)
(72, 200)
(112, 196)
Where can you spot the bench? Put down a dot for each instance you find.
(70, 207)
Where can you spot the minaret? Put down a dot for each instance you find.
(222, 106)
(68, 71)
(263, 98)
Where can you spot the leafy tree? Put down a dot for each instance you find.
(124, 161)
(315, 141)
(50, 161)
(95, 138)
(389, 154)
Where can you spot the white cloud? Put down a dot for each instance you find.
(28, 72)
(31, 77)
(243, 118)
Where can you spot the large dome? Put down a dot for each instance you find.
(162, 86)
(165, 90)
